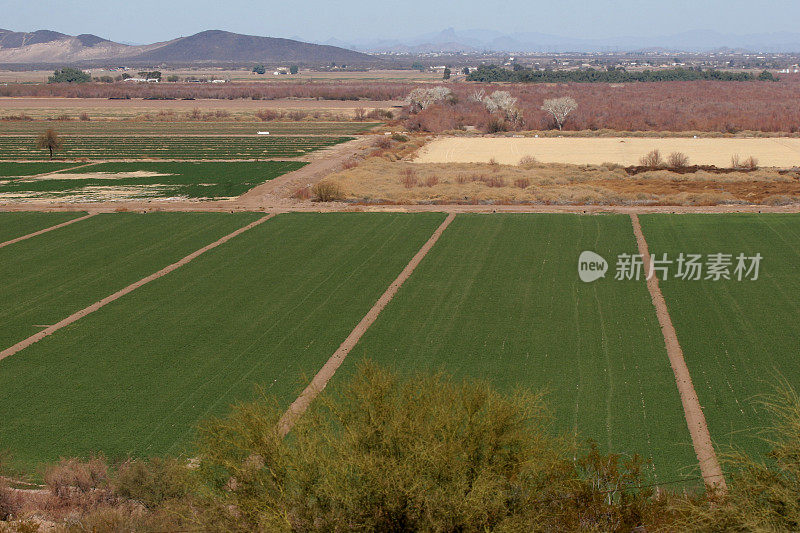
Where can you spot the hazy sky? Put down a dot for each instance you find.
(145, 21)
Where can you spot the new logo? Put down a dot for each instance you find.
(591, 266)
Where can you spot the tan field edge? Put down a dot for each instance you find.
(130, 288)
(327, 371)
(695, 419)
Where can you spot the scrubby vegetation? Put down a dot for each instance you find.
(420, 453)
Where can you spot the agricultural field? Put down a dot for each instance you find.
(13, 225)
(739, 338)
(268, 308)
(141, 181)
(770, 152)
(132, 127)
(168, 147)
(48, 277)
(14, 170)
(498, 298)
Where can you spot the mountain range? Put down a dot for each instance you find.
(212, 46)
(471, 41)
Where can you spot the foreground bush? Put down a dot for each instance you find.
(418, 454)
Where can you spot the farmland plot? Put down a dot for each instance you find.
(48, 277)
(132, 181)
(13, 170)
(13, 225)
(134, 127)
(499, 298)
(739, 338)
(173, 147)
(268, 307)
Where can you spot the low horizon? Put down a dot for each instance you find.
(354, 22)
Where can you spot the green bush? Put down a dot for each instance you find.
(153, 482)
(326, 191)
(69, 75)
(422, 453)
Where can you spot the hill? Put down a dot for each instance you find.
(212, 46)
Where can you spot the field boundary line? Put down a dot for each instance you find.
(45, 230)
(320, 380)
(130, 288)
(693, 412)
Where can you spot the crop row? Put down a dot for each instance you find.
(211, 147)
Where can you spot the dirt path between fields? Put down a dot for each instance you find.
(279, 190)
(45, 230)
(695, 419)
(327, 371)
(130, 288)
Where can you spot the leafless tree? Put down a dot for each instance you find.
(560, 108)
(420, 99)
(50, 140)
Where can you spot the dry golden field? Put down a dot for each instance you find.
(770, 152)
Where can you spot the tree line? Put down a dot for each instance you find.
(492, 73)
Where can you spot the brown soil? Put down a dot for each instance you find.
(695, 419)
(327, 371)
(130, 288)
(280, 190)
(45, 230)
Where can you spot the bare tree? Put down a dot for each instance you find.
(420, 99)
(50, 140)
(503, 102)
(560, 108)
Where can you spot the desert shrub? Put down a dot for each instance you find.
(399, 138)
(677, 160)
(780, 199)
(327, 191)
(527, 161)
(303, 193)
(383, 143)
(266, 115)
(497, 125)
(360, 114)
(522, 183)
(408, 177)
(349, 163)
(416, 453)
(85, 117)
(78, 483)
(652, 160)
(63, 118)
(751, 163)
(462, 179)
(611, 166)
(152, 482)
(380, 114)
(431, 181)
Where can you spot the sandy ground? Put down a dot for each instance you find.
(777, 152)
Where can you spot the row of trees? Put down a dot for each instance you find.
(494, 73)
(261, 69)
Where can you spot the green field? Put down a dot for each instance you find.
(499, 298)
(739, 338)
(207, 180)
(133, 127)
(268, 307)
(48, 277)
(13, 225)
(168, 147)
(14, 170)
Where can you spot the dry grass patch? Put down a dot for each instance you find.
(379, 180)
